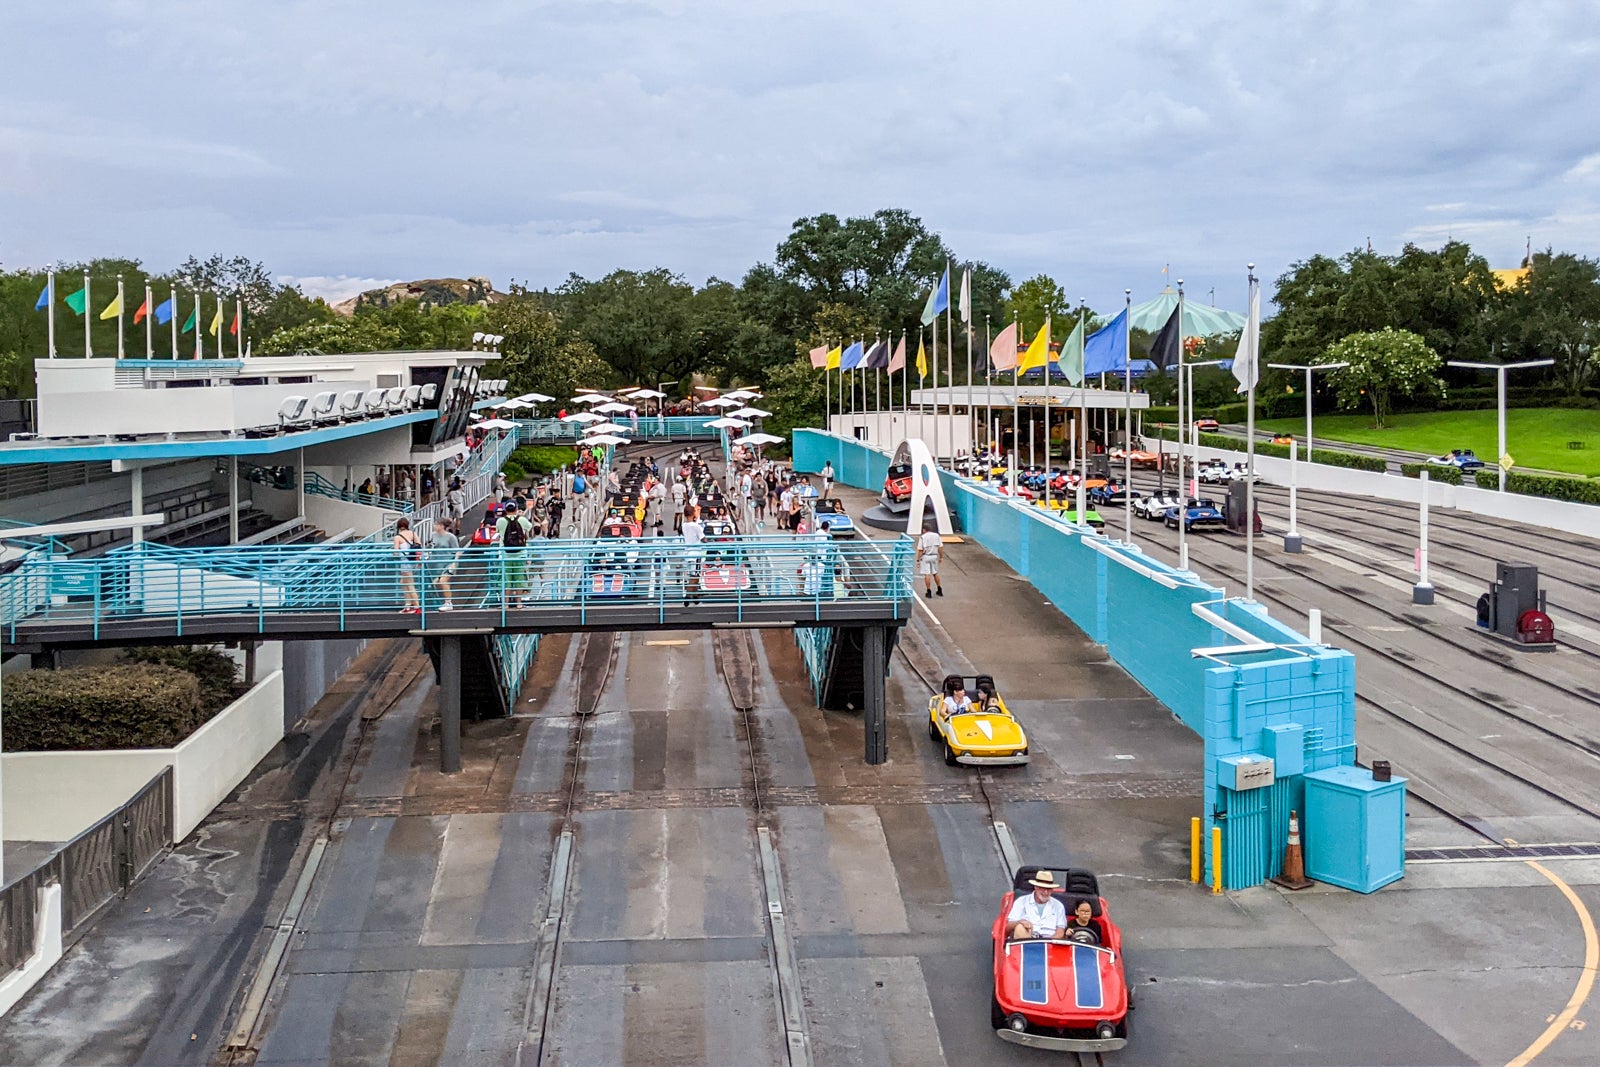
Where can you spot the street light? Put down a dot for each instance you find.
(1500, 373)
(1309, 368)
(1184, 485)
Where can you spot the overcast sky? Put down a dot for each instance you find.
(342, 142)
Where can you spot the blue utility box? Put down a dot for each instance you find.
(1355, 834)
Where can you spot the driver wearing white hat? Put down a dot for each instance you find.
(1040, 913)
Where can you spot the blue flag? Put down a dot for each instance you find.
(1106, 350)
(44, 298)
(938, 300)
(164, 311)
(852, 357)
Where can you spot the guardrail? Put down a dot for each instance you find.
(659, 428)
(150, 583)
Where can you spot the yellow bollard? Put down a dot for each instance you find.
(1216, 859)
(1195, 855)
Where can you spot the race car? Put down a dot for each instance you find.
(1199, 513)
(1461, 458)
(1206, 424)
(1067, 512)
(1283, 438)
(614, 573)
(622, 525)
(1111, 493)
(1139, 456)
(723, 570)
(831, 513)
(897, 486)
(1068, 993)
(1155, 506)
(986, 736)
(1215, 472)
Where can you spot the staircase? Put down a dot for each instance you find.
(843, 682)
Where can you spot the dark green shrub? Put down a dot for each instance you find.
(139, 705)
(1578, 490)
(1266, 448)
(1436, 472)
(216, 671)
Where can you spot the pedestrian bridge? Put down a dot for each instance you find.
(148, 592)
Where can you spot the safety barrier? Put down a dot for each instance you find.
(815, 643)
(147, 583)
(668, 428)
(1276, 689)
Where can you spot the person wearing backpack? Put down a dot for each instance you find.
(511, 533)
(409, 549)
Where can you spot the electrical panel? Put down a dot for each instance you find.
(1250, 771)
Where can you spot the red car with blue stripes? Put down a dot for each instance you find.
(1067, 992)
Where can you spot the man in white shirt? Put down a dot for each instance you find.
(928, 548)
(1040, 913)
(957, 703)
(679, 495)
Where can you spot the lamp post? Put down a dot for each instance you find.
(1500, 373)
(1184, 486)
(661, 404)
(1309, 368)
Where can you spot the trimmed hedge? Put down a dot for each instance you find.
(1223, 413)
(1437, 472)
(139, 705)
(1266, 448)
(1577, 490)
(216, 671)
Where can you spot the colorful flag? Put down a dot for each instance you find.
(819, 357)
(215, 329)
(1164, 349)
(834, 355)
(852, 356)
(1003, 352)
(1106, 349)
(164, 312)
(233, 327)
(44, 298)
(938, 300)
(922, 357)
(1244, 360)
(1038, 353)
(113, 309)
(877, 356)
(194, 317)
(1071, 358)
(965, 306)
(78, 301)
(898, 360)
(144, 309)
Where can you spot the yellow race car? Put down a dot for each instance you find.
(974, 726)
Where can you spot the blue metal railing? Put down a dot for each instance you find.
(815, 643)
(318, 485)
(513, 655)
(671, 427)
(149, 582)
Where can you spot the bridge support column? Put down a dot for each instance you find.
(449, 704)
(874, 670)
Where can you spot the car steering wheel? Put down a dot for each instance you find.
(1082, 935)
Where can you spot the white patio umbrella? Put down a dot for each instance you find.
(583, 416)
(721, 402)
(603, 427)
(518, 404)
(647, 394)
(749, 413)
(613, 406)
(536, 398)
(759, 439)
(743, 394)
(729, 424)
(589, 398)
(606, 439)
(475, 417)
(497, 424)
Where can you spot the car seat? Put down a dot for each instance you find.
(952, 682)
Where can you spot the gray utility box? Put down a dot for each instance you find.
(1515, 591)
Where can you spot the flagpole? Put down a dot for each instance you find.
(50, 295)
(149, 317)
(199, 330)
(1183, 486)
(172, 298)
(827, 394)
(938, 430)
(88, 305)
(949, 360)
(1250, 450)
(966, 324)
(988, 393)
(1016, 404)
(238, 321)
(120, 353)
(1127, 414)
(1080, 432)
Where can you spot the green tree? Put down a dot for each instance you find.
(362, 334)
(1036, 298)
(538, 354)
(643, 323)
(1383, 364)
(1554, 313)
(794, 393)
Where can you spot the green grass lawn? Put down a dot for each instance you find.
(1535, 437)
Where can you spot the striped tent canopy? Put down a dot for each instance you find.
(1199, 320)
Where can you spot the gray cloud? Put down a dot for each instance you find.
(1093, 142)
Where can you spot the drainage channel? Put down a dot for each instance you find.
(1501, 853)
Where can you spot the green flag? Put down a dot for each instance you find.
(188, 323)
(1072, 356)
(78, 301)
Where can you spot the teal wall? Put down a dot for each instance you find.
(1149, 630)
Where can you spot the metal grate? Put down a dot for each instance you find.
(1501, 853)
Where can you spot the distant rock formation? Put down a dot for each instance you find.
(429, 290)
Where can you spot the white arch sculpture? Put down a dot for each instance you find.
(925, 487)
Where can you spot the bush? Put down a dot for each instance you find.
(1266, 448)
(216, 671)
(1577, 490)
(139, 705)
(1436, 472)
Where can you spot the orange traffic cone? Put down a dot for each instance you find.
(1294, 861)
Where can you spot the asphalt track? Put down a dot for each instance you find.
(433, 933)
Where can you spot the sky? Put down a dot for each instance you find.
(350, 144)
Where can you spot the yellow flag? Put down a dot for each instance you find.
(922, 359)
(113, 309)
(1038, 353)
(833, 358)
(215, 329)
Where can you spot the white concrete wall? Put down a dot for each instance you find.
(54, 796)
(163, 587)
(46, 949)
(886, 429)
(1538, 511)
(201, 409)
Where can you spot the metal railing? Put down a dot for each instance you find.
(318, 485)
(92, 869)
(649, 428)
(513, 655)
(150, 582)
